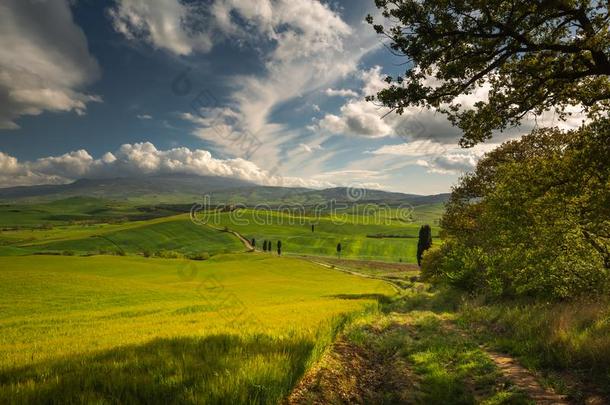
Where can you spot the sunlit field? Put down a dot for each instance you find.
(380, 236)
(235, 328)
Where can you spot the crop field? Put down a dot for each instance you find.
(119, 329)
(366, 237)
(175, 233)
(94, 308)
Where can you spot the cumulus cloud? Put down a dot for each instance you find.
(340, 92)
(357, 117)
(136, 160)
(361, 118)
(450, 164)
(44, 61)
(144, 116)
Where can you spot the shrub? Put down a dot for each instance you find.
(200, 256)
(67, 253)
(168, 254)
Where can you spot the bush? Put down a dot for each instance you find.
(200, 256)
(168, 254)
(67, 253)
(431, 265)
(146, 253)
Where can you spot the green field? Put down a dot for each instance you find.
(176, 233)
(367, 237)
(120, 329)
(371, 236)
(92, 310)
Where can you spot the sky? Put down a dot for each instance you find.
(270, 91)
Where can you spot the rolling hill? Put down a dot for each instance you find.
(184, 188)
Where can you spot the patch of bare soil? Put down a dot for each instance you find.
(525, 380)
(352, 374)
(370, 264)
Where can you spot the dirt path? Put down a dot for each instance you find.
(415, 355)
(525, 380)
(238, 235)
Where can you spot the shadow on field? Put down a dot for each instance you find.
(219, 369)
(380, 298)
(435, 301)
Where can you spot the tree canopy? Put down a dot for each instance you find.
(533, 56)
(532, 219)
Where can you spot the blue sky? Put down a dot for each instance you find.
(270, 91)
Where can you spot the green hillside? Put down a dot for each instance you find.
(175, 233)
(362, 237)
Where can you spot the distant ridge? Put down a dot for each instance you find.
(173, 188)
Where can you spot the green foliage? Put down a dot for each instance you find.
(534, 55)
(200, 256)
(533, 219)
(168, 254)
(570, 336)
(424, 241)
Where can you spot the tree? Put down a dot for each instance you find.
(279, 247)
(339, 250)
(424, 242)
(253, 243)
(533, 219)
(312, 227)
(534, 55)
(264, 246)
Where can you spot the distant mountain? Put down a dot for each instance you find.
(129, 187)
(181, 188)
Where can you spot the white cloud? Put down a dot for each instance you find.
(144, 116)
(309, 148)
(422, 128)
(340, 92)
(136, 160)
(301, 46)
(358, 117)
(415, 148)
(373, 82)
(165, 24)
(44, 61)
(450, 164)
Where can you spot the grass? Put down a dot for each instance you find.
(176, 233)
(412, 352)
(569, 341)
(73, 210)
(361, 237)
(109, 329)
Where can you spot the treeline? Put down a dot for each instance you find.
(533, 219)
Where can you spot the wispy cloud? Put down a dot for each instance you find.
(42, 69)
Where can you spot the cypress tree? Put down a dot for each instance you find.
(279, 247)
(339, 250)
(424, 242)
